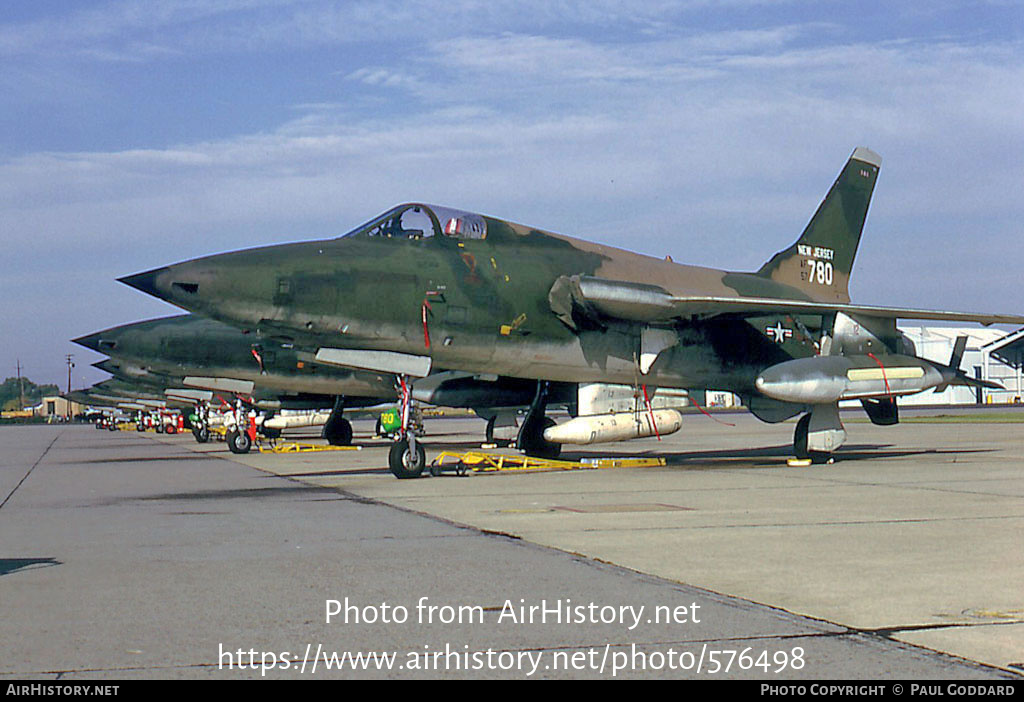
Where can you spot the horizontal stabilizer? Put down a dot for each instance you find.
(963, 379)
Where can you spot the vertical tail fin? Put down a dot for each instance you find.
(821, 260)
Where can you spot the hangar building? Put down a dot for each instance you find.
(991, 354)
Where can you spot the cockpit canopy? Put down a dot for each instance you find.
(417, 221)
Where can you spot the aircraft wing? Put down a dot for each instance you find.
(749, 306)
(641, 302)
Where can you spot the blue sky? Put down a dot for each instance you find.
(135, 134)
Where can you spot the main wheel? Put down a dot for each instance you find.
(800, 438)
(536, 446)
(404, 462)
(202, 433)
(800, 449)
(489, 434)
(338, 432)
(238, 441)
(170, 429)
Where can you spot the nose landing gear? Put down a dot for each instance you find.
(407, 457)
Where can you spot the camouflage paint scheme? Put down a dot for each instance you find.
(161, 353)
(167, 350)
(500, 297)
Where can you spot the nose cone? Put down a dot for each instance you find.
(89, 341)
(179, 284)
(150, 282)
(108, 365)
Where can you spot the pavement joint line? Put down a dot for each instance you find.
(778, 525)
(38, 460)
(904, 485)
(889, 631)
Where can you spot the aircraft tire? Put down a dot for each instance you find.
(202, 434)
(800, 442)
(338, 433)
(800, 438)
(239, 442)
(170, 429)
(403, 463)
(489, 434)
(537, 447)
(140, 427)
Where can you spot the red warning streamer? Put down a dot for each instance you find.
(885, 379)
(710, 416)
(424, 308)
(650, 411)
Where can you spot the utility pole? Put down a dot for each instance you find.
(21, 387)
(70, 366)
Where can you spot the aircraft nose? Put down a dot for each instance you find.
(89, 341)
(148, 282)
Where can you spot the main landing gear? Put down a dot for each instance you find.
(201, 423)
(531, 434)
(407, 457)
(338, 430)
(818, 434)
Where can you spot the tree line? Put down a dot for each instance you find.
(10, 393)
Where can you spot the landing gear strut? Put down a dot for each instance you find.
(407, 458)
(531, 434)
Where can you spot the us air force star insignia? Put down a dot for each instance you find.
(778, 332)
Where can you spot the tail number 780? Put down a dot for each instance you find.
(820, 273)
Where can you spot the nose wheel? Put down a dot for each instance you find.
(407, 457)
(238, 441)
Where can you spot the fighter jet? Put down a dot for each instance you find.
(423, 287)
(190, 356)
(209, 407)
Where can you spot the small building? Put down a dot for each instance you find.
(56, 406)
